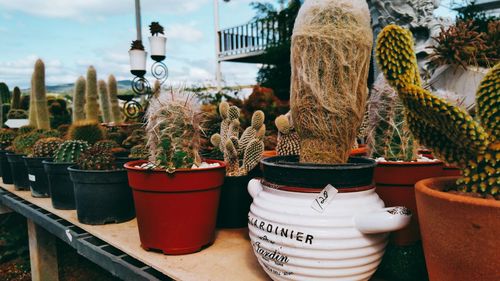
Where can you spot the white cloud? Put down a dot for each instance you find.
(184, 32)
(91, 9)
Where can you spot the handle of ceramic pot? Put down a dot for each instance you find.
(385, 220)
(254, 187)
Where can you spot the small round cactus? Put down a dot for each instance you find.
(86, 130)
(25, 129)
(70, 150)
(106, 144)
(17, 114)
(6, 137)
(23, 144)
(97, 158)
(46, 147)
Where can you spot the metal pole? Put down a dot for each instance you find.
(138, 19)
(218, 75)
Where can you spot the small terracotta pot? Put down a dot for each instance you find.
(269, 153)
(360, 151)
(460, 234)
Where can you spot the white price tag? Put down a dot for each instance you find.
(68, 234)
(324, 198)
(32, 178)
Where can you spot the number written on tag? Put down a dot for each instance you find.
(324, 198)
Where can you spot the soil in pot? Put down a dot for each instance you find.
(176, 213)
(5, 167)
(61, 187)
(39, 183)
(19, 171)
(102, 197)
(460, 234)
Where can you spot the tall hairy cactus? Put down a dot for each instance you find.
(32, 108)
(241, 154)
(16, 99)
(79, 100)
(449, 130)
(113, 100)
(91, 104)
(104, 99)
(69, 151)
(288, 139)
(40, 97)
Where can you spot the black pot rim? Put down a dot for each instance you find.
(362, 164)
(74, 168)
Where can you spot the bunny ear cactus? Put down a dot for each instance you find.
(449, 130)
(46, 147)
(288, 139)
(70, 150)
(79, 100)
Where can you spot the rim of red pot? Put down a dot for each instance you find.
(410, 163)
(131, 166)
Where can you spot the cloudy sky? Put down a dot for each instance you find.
(70, 35)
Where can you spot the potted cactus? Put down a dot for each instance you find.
(43, 150)
(102, 194)
(6, 138)
(452, 208)
(175, 195)
(241, 155)
(317, 216)
(137, 58)
(157, 42)
(61, 188)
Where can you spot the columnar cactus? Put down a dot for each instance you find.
(240, 154)
(46, 147)
(79, 100)
(288, 139)
(97, 158)
(16, 99)
(6, 137)
(69, 151)
(87, 130)
(449, 130)
(104, 99)
(113, 100)
(32, 108)
(91, 104)
(40, 97)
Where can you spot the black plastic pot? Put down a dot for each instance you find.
(102, 196)
(5, 168)
(18, 171)
(61, 188)
(288, 171)
(120, 161)
(39, 183)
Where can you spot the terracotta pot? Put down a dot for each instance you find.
(395, 183)
(460, 234)
(269, 153)
(360, 151)
(176, 213)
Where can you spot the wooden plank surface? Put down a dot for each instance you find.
(229, 258)
(43, 254)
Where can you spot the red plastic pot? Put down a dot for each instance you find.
(176, 213)
(395, 183)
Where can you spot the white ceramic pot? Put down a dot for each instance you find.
(137, 60)
(158, 45)
(293, 241)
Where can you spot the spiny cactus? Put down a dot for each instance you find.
(91, 104)
(16, 99)
(69, 151)
(97, 158)
(23, 144)
(288, 139)
(40, 97)
(4, 93)
(388, 135)
(137, 137)
(6, 137)
(32, 108)
(449, 130)
(104, 99)
(46, 147)
(25, 129)
(86, 130)
(240, 154)
(106, 144)
(113, 100)
(17, 114)
(79, 100)
(139, 151)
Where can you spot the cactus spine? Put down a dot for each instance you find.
(288, 139)
(32, 107)
(86, 130)
(113, 100)
(40, 96)
(79, 100)
(46, 147)
(97, 158)
(449, 130)
(16, 99)
(91, 104)
(69, 151)
(104, 99)
(6, 137)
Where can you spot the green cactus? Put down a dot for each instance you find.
(86, 130)
(388, 135)
(79, 100)
(23, 144)
(98, 158)
(449, 130)
(32, 107)
(104, 100)
(6, 138)
(63, 129)
(25, 129)
(17, 114)
(239, 155)
(70, 150)
(91, 104)
(46, 147)
(288, 139)
(40, 97)
(139, 151)
(16, 99)
(113, 100)
(106, 144)
(4, 93)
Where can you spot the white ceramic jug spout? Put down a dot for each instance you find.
(385, 220)
(254, 187)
